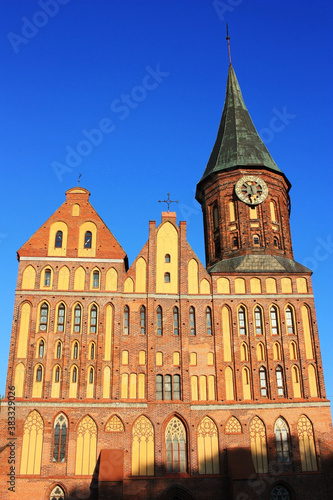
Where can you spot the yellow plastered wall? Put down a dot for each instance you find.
(246, 383)
(306, 444)
(307, 332)
(192, 276)
(232, 216)
(208, 447)
(124, 358)
(55, 392)
(223, 285)
(226, 334)
(73, 385)
(86, 447)
(37, 387)
(193, 358)
(23, 331)
(292, 350)
(28, 278)
(128, 285)
(239, 285)
(142, 357)
(140, 275)
(312, 381)
(42, 285)
(229, 384)
(210, 358)
(90, 385)
(141, 386)
(19, 380)
(204, 287)
(63, 278)
(194, 388)
(87, 252)
(253, 212)
(32, 444)
(52, 250)
(143, 447)
(124, 386)
(302, 286)
(211, 387)
(106, 382)
(108, 333)
(132, 385)
(271, 285)
(286, 285)
(276, 351)
(79, 278)
(244, 352)
(260, 352)
(75, 210)
(111, 282)
(159, 359)
(167, 243)
(296, 382)
(176, 358)
(258, 445)
(272, 210)
(202, 388)
(255, 285)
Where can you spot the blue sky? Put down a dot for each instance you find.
(151, 76)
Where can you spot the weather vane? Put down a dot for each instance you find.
(168, 201)
(228, 40)
(78, 181)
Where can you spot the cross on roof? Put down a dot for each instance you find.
(168, 201)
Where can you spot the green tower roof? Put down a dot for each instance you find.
(237, 143)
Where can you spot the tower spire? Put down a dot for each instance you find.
(228, 40)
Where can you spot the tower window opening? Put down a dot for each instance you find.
(256, 240)
(279, 381)
(215, 217)
(242, 321)
(39, 374)
(77, 319)
(61, 318)
(290, 320)
(175, 321)
(96, 279)
(258, 320)
(167, 258)
(217, 247)
(274, 320)
(44, 313)
(87, 239)
(57, 374)
(142, 320)
(74, 375)
(126, 320)
(41, 349)
(76, 350)
(208, 321)
(93, 319)
(166, 277)
(235, 243)
(47, 277)
(58, 240)
(276, 242)
(263, 381)
(59, 350)
(192, 321)
(159, 319)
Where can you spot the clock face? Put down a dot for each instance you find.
(252, 190)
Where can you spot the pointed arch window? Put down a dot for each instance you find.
(59, 439)
(276, 242)
(57, 374)
(282, 442)
(76, 350)
(142, 320)
(256, 240)
(242, 320)
(61, 318)
(47, 277)
(279, 492)
(58, 350)
(263, 381)
(95, 282)
(77, 318)
(143, 447)
(87, 239)
(208, 447)
(192, 321)
(208, 321)
(306, 444)
(39, 374)
(58, 239)
(92, 350)
(167, 258)
(166, 277)
(91, 375)
(126, 320)
(274, 320)
(41, 347)
(235, 243)
(159, 320)
(74, 375)
(57, 493)
(290, 320)
(44, 314)
(175, 440)
(258, 320)
(279, 381)
(93, 319)
(175, 321)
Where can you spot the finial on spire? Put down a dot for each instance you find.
(168, 201)
(78, 181)
(228, 40)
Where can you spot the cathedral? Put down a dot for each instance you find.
(169, 379)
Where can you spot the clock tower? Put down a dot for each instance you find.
(243, 194)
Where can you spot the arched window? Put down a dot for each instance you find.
(159, 321)
(208, 447)
(58, 350)
(47, 277)
(61, 318)
(143, 447)
(290, 320)
(44, 314)
(263, 381)
(39, 374)
(276, 242)
(256, 240)
(58, 239)
(76, 350)
(279, 381)
(91, 376)
(142, 320)
(166, 277)
(258, 445)
(92, 350)
(59, 438)
(41, 348)
(306, 444)
(208, 321)
(274, 320)
(279, 492)
(126, 320)
(235, 243)
(282, 443)
(77, 318)
(87, 239)
(74, 375)
(57, 493)
(86, 446)
(293, 350)
(242, 320)
(192, 321)
(31, 456)
(244, 352)
(175, 440)
(93, 319)
(95, 281)
(167, 258)
(258, 321)
(175, 321)
(57, 374)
